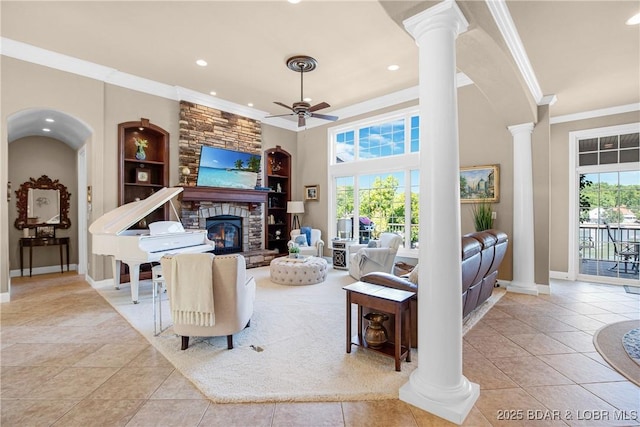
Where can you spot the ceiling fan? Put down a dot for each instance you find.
(303, 109)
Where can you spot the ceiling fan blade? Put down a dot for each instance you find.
(301, 120)
(279, 115)
(324, 116)
(319, 107)
(283, 105)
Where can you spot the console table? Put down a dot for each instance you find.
(31, 242)
(388, 300)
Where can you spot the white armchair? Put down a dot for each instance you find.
(209, 295)
(378, 255)
(313, 248)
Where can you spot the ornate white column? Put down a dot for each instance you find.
(438, 385)
(523, 240)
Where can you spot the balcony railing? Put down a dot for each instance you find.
(598, 252)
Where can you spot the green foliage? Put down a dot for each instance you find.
(585, 202)
(609, 197)
(382, 203)
(254, 164)
(377, 202)
(294, 249)
(344, 201)
(464, 193)
(482, 212)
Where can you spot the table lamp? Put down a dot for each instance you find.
(295, 208)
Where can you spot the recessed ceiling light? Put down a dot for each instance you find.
(213, 93)
(294, 1)
(46, 130)
(393, 67)
(49, 120)
(634, 20)
(250, 104)
(201, 62)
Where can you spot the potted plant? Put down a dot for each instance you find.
(482, 215)
(294, 251)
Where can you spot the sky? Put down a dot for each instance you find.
(220, 158)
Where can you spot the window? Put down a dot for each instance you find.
(374, 176)
(606, 202)
(609, 149)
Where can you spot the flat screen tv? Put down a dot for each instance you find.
(227, 168)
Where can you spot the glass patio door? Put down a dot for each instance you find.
(609, 224)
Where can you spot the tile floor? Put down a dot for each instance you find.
(68, 359)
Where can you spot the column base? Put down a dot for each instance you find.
(544, 289)
(453, 411)
(523, 288)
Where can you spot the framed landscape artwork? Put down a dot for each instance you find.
(480, 183)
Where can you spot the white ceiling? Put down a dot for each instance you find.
(580, 51)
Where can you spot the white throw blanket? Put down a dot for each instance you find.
(377, 255)
(192, 289)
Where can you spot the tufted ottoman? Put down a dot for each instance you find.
(287, 271)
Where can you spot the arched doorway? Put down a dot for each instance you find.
(49, 126)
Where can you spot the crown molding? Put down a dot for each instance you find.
(585, 115)
(507, 27)
(47, 58)
(36, 55)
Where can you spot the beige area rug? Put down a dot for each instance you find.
(608, 342)
(293, 351)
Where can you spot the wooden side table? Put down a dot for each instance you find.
(30, 242)
(388, 300)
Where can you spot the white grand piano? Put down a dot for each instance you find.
(111, 236)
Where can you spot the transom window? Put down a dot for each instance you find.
(609, 149)
(378, 194)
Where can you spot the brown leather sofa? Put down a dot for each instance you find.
(482, 254)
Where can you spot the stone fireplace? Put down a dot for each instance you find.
(225, 231)
(213, 215)
(205, 126)
(211, 208)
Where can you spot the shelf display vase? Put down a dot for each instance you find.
(140, 154)
(375, 333)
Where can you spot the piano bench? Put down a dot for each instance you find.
(159, 285)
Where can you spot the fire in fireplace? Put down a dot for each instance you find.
(226, 233)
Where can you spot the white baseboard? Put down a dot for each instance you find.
(544, 289)
(100, 284)
(42, 270)
(5, 297)
(503, 283)
(562, 275)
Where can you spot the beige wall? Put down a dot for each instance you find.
(483, 140)
(25, 85)
(32, 157)
(540, 162)
(559, 177)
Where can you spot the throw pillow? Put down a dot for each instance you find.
(413, 276)
(372, 244)
(307, 232)
(301, 240)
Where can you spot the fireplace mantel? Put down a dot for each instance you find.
(219, 194)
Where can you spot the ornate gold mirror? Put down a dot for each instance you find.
(42, 202)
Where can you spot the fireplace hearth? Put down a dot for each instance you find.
(225, 231)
